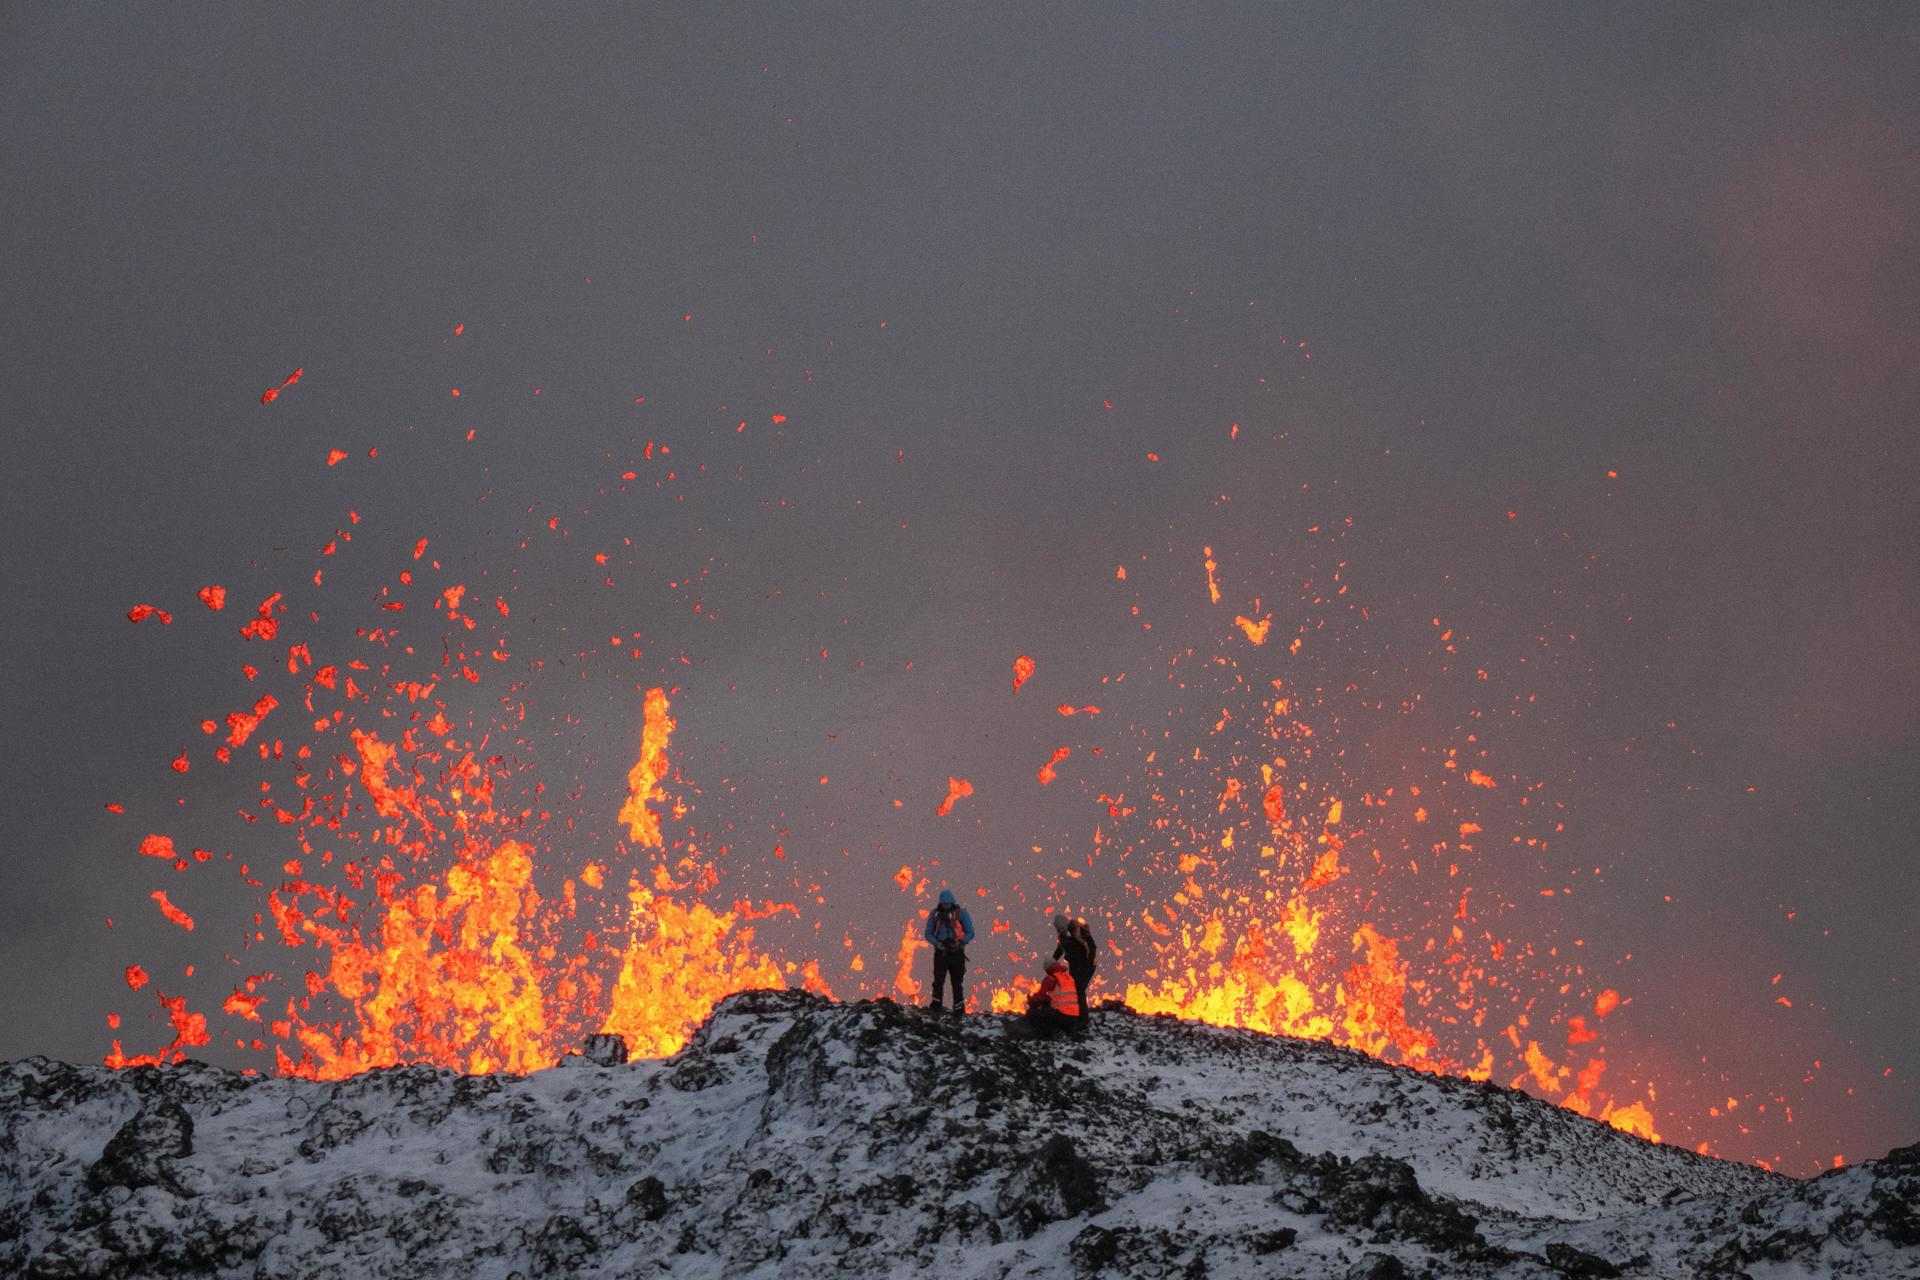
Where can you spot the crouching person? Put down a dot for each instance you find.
(1055, 1007)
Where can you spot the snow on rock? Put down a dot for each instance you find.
(797, 1137)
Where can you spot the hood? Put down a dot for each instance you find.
(947, 899)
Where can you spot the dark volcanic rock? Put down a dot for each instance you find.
(562, 1246)
(1094, 1249)
(1144, 1252)
(1265, 1242)
(605, 1050)
(1378, 1266)
(1578, 1262)
(1382, 1193)
(1244, 1159)
(649, 1197)
(796, 1136)
(141, 1153)
(1055, 1182)
(1896, 1216)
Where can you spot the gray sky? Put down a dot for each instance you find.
(1523, 246)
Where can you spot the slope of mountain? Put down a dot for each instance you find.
(796, 1137)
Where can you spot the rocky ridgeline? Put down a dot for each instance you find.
(796, 1137)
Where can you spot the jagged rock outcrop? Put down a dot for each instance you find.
(141, 1153)
(794, 1136)
(1568, 1260)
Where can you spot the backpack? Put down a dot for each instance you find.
(949, 917)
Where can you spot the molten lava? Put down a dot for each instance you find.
(643, 782)
(437, 901)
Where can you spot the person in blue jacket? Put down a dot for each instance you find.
(949, 929)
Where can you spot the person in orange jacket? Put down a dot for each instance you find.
(1056, 1005)
(1078, 950)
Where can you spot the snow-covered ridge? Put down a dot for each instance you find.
(796, 1137)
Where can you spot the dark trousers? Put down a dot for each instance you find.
(949, 964)
(1048, 1021)
(1083, 979)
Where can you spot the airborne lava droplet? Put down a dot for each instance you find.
(141, 612)
(433, 928)
(172, 912)
(214, 597)
(273, 393)
(1255, 632)
(956, 788)
(1047, 771)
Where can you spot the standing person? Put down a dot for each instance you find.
(1076, 947)
(949, 929)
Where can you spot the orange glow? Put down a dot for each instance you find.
(273, 393)
(1046, 773)
(242, 1005)
(452, 968)
(189, 1032)
(679, 962)
(1634, 1118)
(171, 912)
(904, 984)
(643, 780)
(1260, 884)
(957, 788)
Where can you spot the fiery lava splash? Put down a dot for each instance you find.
(432, 900)
(426, 937)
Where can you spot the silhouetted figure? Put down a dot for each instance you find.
(949, 929)
(1077, 948)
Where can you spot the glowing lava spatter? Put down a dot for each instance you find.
(433, 904)
(434, 941)
(273, 393)
(958, 789)
(643, 782)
